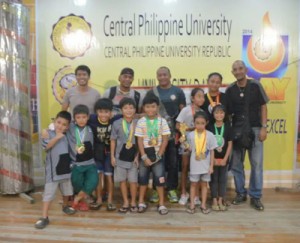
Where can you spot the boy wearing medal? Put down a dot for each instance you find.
(152, 133)
(101, 124)
(124, 154)
(84, 173)
(213, 96)
(202, 145)
(223, 134)
(58, 171)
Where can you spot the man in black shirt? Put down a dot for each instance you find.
(245, 96)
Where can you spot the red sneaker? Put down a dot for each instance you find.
(83, 206)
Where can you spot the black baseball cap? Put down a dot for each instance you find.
(127, 71)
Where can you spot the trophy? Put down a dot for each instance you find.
(182, 128)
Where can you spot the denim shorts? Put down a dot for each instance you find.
(158, 173)
(200, 177)
(105, 166)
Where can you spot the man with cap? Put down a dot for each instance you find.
(117, 93)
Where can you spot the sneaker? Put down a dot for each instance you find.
(172, 195)
(239, 199)
(42, 223)
(154, 197)
(257, 204)
(183, 199)
(68, 210)
(197, 201)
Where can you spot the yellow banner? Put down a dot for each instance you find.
(192, 38)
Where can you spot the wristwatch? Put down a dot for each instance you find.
(158, 157)
(144, 157)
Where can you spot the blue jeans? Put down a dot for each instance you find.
(256, 162)
(158, 173)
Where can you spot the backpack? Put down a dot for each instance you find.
(113, 92)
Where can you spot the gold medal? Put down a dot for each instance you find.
(128, 145)
(153, 142)
(80, 149)
(202, 156)
(197, 157)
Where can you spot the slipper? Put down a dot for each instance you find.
(95, 206)
(142, 208)
(110, 207)
(134, 209)
(162, 210)
(83, 206)
(123, 209)
(190, 210)
(216, 207)
(205, 210)
(222, 207)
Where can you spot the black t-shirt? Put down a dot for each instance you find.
(101, 134)
(208, 108)
(227, 136)
(236, 103)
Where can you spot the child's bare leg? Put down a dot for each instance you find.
(99, 188)
(81, 195)
(46, 206)
(66, 201)
(142, 193)
(110, 188)
(133, 192)
(124, 192)
(184, 172)
(203, 185)
(192, 194)
(160, 191)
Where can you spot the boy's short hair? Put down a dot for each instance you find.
(65, 115)
(83, 68)
(202, 114)
(127, 101)
(215, 74)
(104, 104)
(80, 109)
(127, 70)
(150, 99)
(218, 107)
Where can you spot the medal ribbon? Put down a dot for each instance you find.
(200, 143)
(219, 136)
(79, 135)
(212, 103)
(128, 129)
(152, 128)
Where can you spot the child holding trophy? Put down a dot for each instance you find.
(185, 124)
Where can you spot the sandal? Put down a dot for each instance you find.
(142, 208)
(222, 207)
(190, 210)
(123, 209)
(134, 209)
(205, 210)
(95, 206)
(216, 207)
(83, 206)
(162, 210)
(110, 207)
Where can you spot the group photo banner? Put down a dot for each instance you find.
(193, 38)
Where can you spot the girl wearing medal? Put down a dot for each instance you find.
(202, 144)
(213, 96)
(223, 135)
(124, 154)
(185, 120)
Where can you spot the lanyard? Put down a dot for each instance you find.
(79, 135)
(200, 143)
(212, 103)
(128, 129)
(219, 136)
(152, 128)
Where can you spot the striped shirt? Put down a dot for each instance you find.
(141, 131)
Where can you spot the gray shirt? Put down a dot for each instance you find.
(73, 98)
(88, 139)
(118, 134)
(201, 166)
(59, 151)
